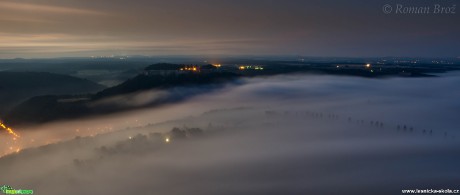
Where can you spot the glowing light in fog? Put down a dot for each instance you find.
(9, 130)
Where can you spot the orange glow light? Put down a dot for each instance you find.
(9, 130)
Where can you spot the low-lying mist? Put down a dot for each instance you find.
(300, 134)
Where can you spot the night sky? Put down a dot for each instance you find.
(67, 28)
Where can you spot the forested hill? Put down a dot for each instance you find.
(16, 87)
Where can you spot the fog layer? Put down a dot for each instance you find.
(300, 134)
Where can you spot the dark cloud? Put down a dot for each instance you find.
(315, 28)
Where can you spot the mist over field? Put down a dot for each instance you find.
(288, 134)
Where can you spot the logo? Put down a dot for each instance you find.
(9, 190)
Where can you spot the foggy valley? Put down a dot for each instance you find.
(279, 134)
(229, 97)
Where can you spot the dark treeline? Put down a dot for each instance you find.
(315, 115)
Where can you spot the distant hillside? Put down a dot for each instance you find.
(144, 82)
(56, 107)
(16, 87)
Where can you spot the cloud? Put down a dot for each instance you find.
(313, 28)
(29, 7)
(82, 45)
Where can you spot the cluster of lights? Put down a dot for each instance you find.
(166, 139)
(217, 65)
(15, 142)
(250, 68)
(9, 130)
(191, 68)
(13, 145)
